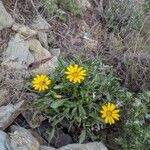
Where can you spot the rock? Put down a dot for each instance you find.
(28, 115)
(13, 65)
(24, 30)
(60, 138)
(21, 139)
(46, 68)
(3, 96)
(43, 39)
(90, 43)
(4, 141)
(88, 146)
(5, 18)
(84, 4)
(40, 140)
(8, 114)
(46, 148)
(39, 52)
(42, 26)
(17, 54)
(40, 23)
(55, 51)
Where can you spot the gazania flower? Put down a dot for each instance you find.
(41, 82)
(110, 113)
(75, 73)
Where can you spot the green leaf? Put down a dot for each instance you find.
(58, 120)
(73, 113)
(92, 136)
(57, 87)
(82, 112)
(82, 136)
(51, 134)
(66, 113)
(35, 114)
(58, 103)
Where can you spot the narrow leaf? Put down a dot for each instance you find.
(51, 134)
(57, 104)
(82, 136)
(58, 120)
(82, 112)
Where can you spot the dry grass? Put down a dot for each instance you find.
(14, 83)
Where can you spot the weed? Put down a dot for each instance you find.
(123, 14)
(137, 130)
(56, 7)
(80, 104)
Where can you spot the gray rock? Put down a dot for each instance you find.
(55, 51)
(13, 65)
(46, 68)
(59, 139)
(3, 96)
(84, 4)
(38, 137)
(5, 18)
(24, 30)
(8, 114)
(4, 141)
(29, 114)
(38, 51)
(42, 26)
(43, 39)
(88, 146)
(17, 54)
(46, 148)
(21, 139)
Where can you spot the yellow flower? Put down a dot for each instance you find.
(41, 82)
(110, 113)
(75, 73)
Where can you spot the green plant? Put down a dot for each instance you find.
(139, 108)
(71, 6)
(146, 6)
(80, 104)
(123, 15)
(50, 6)
(136, 135)
(56, 7)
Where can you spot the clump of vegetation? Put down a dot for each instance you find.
(136, 133)
(56, 7)
(146, 6)
(123, 15)
(90, 97)
(135, 137)
(71, 6)
(87, 96)
(50, 6)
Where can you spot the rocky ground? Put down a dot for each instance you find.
(24, 52)
(31, 44)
